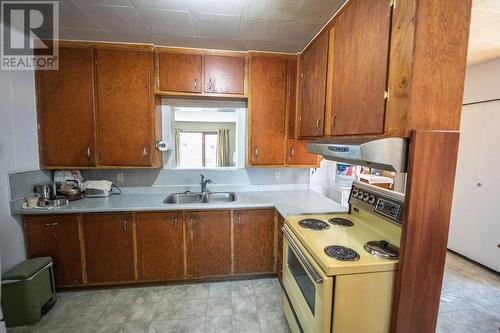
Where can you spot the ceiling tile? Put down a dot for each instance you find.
(116, 18)
(161, 16)
(161, 4)
(171, 29)
(278, 9)
(130, 37)
(490, 33)
(227, 7)
(261, 29)
(72, 17)
(482, 18)
(220, 43)
(217, 26)
(93, 35)
(493, 5)
(174, 40)
(480, 51)
(318, 11)
(103, 2)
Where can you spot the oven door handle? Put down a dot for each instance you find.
(302, 258)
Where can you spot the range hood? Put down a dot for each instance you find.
(389, 154)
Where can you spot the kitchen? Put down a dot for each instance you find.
(103, 171)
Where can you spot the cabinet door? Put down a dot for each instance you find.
(160, 246)
(224, 75)
(360, 61)
(312, 67)
(291, 97)
(56, 236)
(297, 153)
(179, 72)
(267, 108)
(254, 241)
(208, 243)
(66, 110)
(124, 107)
(109, 247)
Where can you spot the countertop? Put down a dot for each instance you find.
(286, 202)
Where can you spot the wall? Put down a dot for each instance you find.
(18, 152)
(481, 82)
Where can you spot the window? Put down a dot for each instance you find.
(197, 149)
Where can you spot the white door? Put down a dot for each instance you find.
(475, 219)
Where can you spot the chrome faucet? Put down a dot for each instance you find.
(204, 182)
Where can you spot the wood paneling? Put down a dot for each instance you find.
(180, 72)
(66, 110)
(312, 87)
(56, 236)
(224, 75)
(124, 108)
(109, 247)
(360, 61)
(208, 243)
(253, 241)
(291, 98)
(297, 153)
(160, 246)
(429, 194)
(267, 110)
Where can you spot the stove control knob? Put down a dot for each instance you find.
(360, 195)
(371, 200)
(365, 197)
(354, 193)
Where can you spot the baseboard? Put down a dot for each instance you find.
(475, 262)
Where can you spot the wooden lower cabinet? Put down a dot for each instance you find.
(109, 247)
(208, 243)
(254, 241)
(160, 246)
(279, 250)
(56, 236)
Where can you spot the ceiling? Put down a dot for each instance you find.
(265, 25)
(484, 38)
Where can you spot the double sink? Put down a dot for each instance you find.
(200, 197)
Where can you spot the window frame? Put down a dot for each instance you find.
(203, 141)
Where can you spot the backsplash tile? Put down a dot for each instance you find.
(22, 183)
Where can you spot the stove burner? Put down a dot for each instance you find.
(313, 224)
(341, 253)
(341, 222)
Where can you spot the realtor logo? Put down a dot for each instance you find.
(29, 35)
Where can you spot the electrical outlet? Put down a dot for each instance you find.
(119, 177)
(277, 175)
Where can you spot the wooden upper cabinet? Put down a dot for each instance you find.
(360, 65)
(160, 246)
(124, 104)
(297, 154)
(254, 241)
(291, 98)
(66, 110)
(312, 87)
(180, 72)
(56, 236)
(208, 243)
(109, 247)
(224, 74)
(267, 110)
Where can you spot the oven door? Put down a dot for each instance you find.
(309, 289)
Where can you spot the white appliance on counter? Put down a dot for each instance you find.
(339, 269)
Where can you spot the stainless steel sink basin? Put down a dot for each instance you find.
(208, 197)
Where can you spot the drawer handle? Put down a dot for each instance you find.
(125, 224)
(89, 153)
(51, 224)
(145, 151)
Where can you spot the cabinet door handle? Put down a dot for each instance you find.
(317, 123)
(195, 83)
(292, 151)
(256, 151)
(334, 121)
(88, 153)
(239, 220)
(209, 84)
(191, 229)
(125, 224)
(51, 224)
(145, 151)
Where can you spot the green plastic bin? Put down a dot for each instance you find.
(28, 291)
